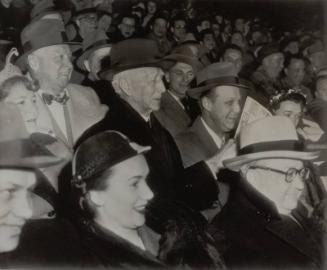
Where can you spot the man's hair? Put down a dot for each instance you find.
(230, 46)
(205, 32)
(127, 15)
(288, 96)
(290, 57)
(8, 84)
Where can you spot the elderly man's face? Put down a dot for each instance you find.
(235, 57)
(146, 88)
(273, 64)
(224, 107)
(15, 205)
(127, 27)
(295, 71)
(52, 67)
(122, 204)
(179, 78)
(274, 185)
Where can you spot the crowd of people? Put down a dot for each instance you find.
(123, 143)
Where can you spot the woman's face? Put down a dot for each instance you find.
(292, 110)
(25, 101)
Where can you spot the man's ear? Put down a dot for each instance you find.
(206, 103)
(97, 197)
(87, 65)
(121, 85)
(32, 61)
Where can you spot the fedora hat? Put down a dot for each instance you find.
(268, 138)
(95, 41)
(17, 148)
(184, 55)
(40, 34)
(216, 74)
(134, 53)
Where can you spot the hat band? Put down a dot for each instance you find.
(286, 145)
(59, 38)
(222, 80)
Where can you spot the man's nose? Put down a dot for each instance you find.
(23, 206)
(298, 182)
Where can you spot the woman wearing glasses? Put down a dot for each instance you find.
(259, 222)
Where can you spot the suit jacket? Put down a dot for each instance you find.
(171, 115)
(195, 145)
(84, 111)
(167, 177)
(250, 233)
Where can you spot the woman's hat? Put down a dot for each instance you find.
(216, 74)
(102, 151)
(269, 138)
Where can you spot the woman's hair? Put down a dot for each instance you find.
(82, 187)
(289, 95)
(8, 84)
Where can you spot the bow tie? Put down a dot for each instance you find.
(61, 98)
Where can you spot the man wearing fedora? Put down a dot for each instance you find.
(219, 94)
(71, 108)
(259, 223)
(178, 110)
(96, 48)
(136, 74)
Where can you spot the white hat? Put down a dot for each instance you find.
(266, 138)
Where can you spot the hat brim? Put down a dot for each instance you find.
(21, 60)
(86, 54)
(30, 162)
(236, 163)
(108, 74)
(197, 92)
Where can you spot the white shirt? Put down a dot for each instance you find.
(57, 111)
(218, 141)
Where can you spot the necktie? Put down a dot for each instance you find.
(186, 105)
(62, 98)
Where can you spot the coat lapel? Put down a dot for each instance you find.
(173, 109)
(288, 231)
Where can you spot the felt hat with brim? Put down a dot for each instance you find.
(40, 34)
(134, 53)
(185, 55)
(216, 74)
(273, 137)
(43, 8)
(17, 148)
(94, 41)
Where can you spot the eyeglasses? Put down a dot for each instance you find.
(290, 174)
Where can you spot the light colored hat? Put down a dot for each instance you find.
(267, 138)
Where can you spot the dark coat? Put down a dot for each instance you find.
(250, 233)
(167, 177)
(106, 249)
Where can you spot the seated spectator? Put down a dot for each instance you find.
(126, 27)
(113, 197)
(294, 69)
(177, 110)
(233, 54)
(260, 230)
(178, 30)
(207, 40)
(267, 76)
(151, 9)
(159, 25)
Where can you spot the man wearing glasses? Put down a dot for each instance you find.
(258, 227)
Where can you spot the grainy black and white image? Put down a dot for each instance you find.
(172, 134)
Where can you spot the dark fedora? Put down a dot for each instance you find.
(134, 53)
(216, 74)
(91, 43)
(17, 148)
(185, 55)
(40, 34)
